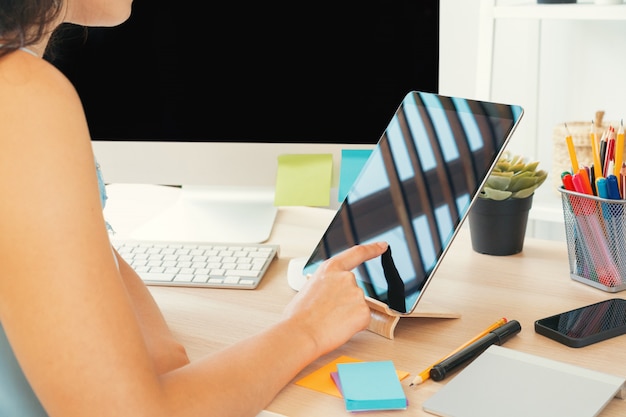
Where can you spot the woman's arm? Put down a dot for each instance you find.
(166, 353)
(87, 336)
(327, 311)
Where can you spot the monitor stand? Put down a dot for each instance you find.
(214, 214)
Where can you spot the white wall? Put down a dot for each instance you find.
(458, 46)
(580, 67)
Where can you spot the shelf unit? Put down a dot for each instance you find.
(491, 12)
(570, 11)
(547, 204)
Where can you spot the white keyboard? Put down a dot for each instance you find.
(215, 265)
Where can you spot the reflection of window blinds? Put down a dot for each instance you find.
(439, 136)
(418, 184)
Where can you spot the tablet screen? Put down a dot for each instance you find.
(415, 190)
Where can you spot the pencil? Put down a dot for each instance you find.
(602, 149)
(610, 152)
(572, 151)
(619, 151)
(425, 374)
(597, 165)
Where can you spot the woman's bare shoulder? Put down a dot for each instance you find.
(20, 70)
(32, 89)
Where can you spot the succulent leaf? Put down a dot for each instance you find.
(526, 192)
(518, 166)
(499, 182)
(521, 182)
(513, 177)
(531, 166)
(495, 194)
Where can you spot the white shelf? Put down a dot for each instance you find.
(547, 212)
(574, 11)
(546, 216)
(491, 12)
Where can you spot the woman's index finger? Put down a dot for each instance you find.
(356, 255)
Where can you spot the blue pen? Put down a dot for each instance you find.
(613, 213)
(613, 187)
(602, 187)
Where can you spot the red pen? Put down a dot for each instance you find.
(586, 184)
(584, 204)
(578, 184)
(566, 178)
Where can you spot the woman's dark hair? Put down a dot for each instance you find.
(25, 22)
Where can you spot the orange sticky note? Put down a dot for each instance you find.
(322, 381)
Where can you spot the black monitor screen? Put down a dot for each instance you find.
(323, 71)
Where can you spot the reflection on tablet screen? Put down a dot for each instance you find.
(415, 190)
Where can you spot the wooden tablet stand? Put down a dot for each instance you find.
(384, 320)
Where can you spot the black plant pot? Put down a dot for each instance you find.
(499, 227)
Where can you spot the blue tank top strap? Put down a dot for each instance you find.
(16, 396)
(29, 51)
(101, 186)
(103, 193)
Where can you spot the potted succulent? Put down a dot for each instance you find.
(499, 217)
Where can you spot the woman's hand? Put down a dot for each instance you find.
(331, 307)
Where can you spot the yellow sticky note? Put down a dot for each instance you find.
(322, 381)
(304, 180)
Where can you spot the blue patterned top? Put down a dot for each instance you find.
(17, 398)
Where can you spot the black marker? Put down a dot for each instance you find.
(495, 337)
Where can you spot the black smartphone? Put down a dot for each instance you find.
(586, 325)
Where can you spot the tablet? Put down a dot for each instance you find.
(415, 190)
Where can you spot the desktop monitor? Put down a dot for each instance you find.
(206, 96)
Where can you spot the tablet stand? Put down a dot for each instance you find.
(384, 320)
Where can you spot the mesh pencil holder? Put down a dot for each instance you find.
(595, 229)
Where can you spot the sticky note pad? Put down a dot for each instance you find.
(371, 386)
(323, 379)
(352, 160)
(304, 180)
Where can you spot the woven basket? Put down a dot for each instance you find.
(582, 145)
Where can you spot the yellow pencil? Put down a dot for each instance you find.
(619, 150)
(425, 374)
(572, 151)
(597, 165)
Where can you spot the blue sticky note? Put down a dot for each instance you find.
(371, 386)
(352, 161)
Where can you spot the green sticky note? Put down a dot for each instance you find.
(371, 386)
(352, 161)
(304, 180)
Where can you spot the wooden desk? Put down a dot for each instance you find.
(482, 288)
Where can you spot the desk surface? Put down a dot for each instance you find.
(482, 288)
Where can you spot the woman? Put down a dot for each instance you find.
(80, 334)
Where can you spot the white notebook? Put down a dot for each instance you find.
(505, 382)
